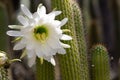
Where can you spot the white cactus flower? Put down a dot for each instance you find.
(40, 34)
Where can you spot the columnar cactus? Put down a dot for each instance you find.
(71, 64)
(100, 63)
(45, 70)
(81, 41)
(86, 15)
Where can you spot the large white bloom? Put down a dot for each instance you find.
(40, 34)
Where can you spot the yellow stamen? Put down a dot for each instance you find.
(41, 60)
(41, 33)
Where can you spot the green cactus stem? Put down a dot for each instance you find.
(100, 63)
(86, 15)
(44, 71)
(81, 41)
(70, 63)
(3, 73)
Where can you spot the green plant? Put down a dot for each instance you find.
(73, 65)
(80, 34)
(3, 73)
(100, 63)
(45, 70)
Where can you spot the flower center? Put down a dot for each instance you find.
(41, 33)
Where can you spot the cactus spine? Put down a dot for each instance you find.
(44, 71)
(100, 63)
(70, 64)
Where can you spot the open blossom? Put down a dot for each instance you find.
(40, 34)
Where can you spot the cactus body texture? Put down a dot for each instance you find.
(3, 74)
(86, 15)
(81, 41)
(100, 63)
(70, 63)
(45, 70)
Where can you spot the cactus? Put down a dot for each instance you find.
(100, 63)
(70, 63)
(3, 74)
(3, 26)
(73, 65)
(44, 71)
(85, 7)
(81, 41)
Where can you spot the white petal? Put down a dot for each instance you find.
(64, 21)
(66, 37)
(14, 33)
(61, 51)
(29, 46)
(54, 44)
(32, 22)
(30, 53)
(19, 46)
(53, 61)
(15, 26)
(56, 13)
(31, 61)
(56, 23)
(39, 52)
(26, 31)
(36, 16)
(22, 20)
(47, 50)
(65, 45)
(41, 10)
(26, 11)
(59, 31)
(50, 16)
(50, 59)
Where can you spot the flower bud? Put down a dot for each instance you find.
(3, 58)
